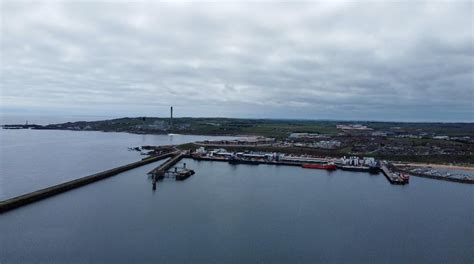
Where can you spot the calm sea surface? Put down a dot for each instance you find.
(224, 213)
(35, 159)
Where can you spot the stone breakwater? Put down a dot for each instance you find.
(66, 186)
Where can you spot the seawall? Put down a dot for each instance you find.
(28, 198)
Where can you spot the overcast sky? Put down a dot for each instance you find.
(354, 60)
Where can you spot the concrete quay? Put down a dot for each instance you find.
(392, 177)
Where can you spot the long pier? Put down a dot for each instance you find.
(66, 186)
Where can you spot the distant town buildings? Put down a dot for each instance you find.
(303, 136)
(243, 141)
(353, 127)
(328, 144)
(379, 134)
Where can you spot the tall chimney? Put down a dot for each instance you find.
(171, 119)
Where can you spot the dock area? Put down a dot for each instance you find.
(249, 162)
(66, 186)
(160, 171)
(392, 177)
(438, 177)
(179, 174)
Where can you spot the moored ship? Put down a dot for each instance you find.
(405, 177)
(374, 169)
(243, 161)
(354, 168)
(325, 166)
(184, 174)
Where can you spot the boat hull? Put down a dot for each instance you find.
(319, 166)
(354, 168)
(249, 162)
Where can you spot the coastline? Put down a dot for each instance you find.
(323, 152)
(438, 166)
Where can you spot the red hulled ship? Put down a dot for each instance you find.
(326, 166)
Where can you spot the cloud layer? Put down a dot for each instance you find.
(369, 61)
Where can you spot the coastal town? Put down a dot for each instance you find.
(447, 143)
(401, 149)
(153, 131)
(395, 173)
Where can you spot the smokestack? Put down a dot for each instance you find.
(171, 119)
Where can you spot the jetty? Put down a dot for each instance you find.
(159, 172)
(393, 178)
(28, 198)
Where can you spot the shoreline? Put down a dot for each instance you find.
(469, 167)
(438, 166)
(133, 132)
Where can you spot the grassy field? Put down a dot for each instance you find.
(263, 127)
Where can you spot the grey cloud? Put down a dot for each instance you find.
(360, 60)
